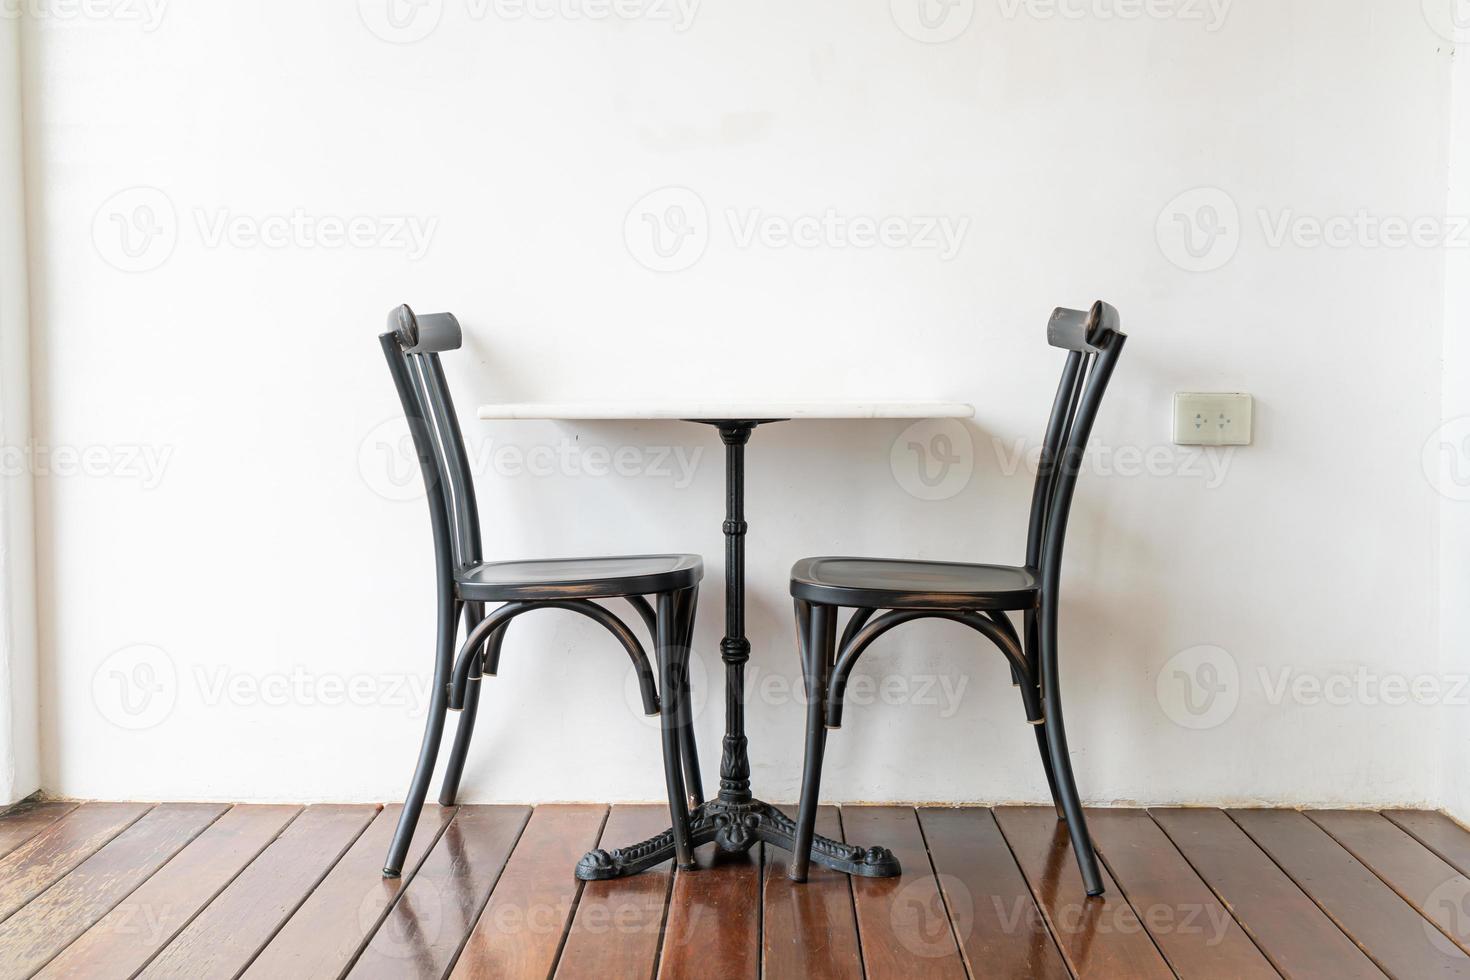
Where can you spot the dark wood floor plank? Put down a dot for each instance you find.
(33, 866)
(51, 920)
(1438, 833)
(1100, 937)
(618, 924)
(521, 929)
(809, 930)
(713, 925)
(26, 820)
(1000, 929)
(222, 940)
(1418, 875)
(431, 919)
(1287, 926)
(333, 925)
(1195, 932)
(1382, 924)
(902, 922)
(148, 919)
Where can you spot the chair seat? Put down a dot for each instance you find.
(578, 578)
(891, 583)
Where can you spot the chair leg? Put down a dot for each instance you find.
(816, 660)
(668, 662)
(1061, 760)
(465, 729)
(1033, 656)
(688, 750)
(418, 789)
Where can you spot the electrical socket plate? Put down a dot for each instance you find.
(1212, 419)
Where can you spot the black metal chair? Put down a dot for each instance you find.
(979, 596)
(466, 584)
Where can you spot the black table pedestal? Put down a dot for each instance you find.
(735, 820)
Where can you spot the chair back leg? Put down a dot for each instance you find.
(1064, 785)
(418, 789)
(818, 623)
(688, 750)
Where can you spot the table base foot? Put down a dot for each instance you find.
(737, 827)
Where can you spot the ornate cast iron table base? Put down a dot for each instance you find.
(736, 820)
(737, 827)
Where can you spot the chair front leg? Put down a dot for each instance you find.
(688, 750)
(418, 788)
(465, 729)
(1033, 656)
(816, 660)
(668, 664)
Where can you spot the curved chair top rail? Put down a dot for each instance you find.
(1085, 331)
(431, 333)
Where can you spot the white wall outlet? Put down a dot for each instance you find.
(1212, 419)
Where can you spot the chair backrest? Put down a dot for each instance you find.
(412, 345)
(1093, 341)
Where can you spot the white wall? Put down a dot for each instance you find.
(20, 756)
(1454, 445)
(254, 548)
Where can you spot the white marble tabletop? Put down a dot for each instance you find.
(754, 410)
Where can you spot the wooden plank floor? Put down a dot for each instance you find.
(120, 890)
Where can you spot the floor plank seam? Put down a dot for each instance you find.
(663, 922)
(1142, 919)
(1424, 843)
(308, 893)
(168, 941)
(1041, 909)
(1388, 884)
(1310, 897)
(943, 897)
(576, 898)
(852, 900)
(411, 871)
(61, 877)
(1224, 902)
(489, 893)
